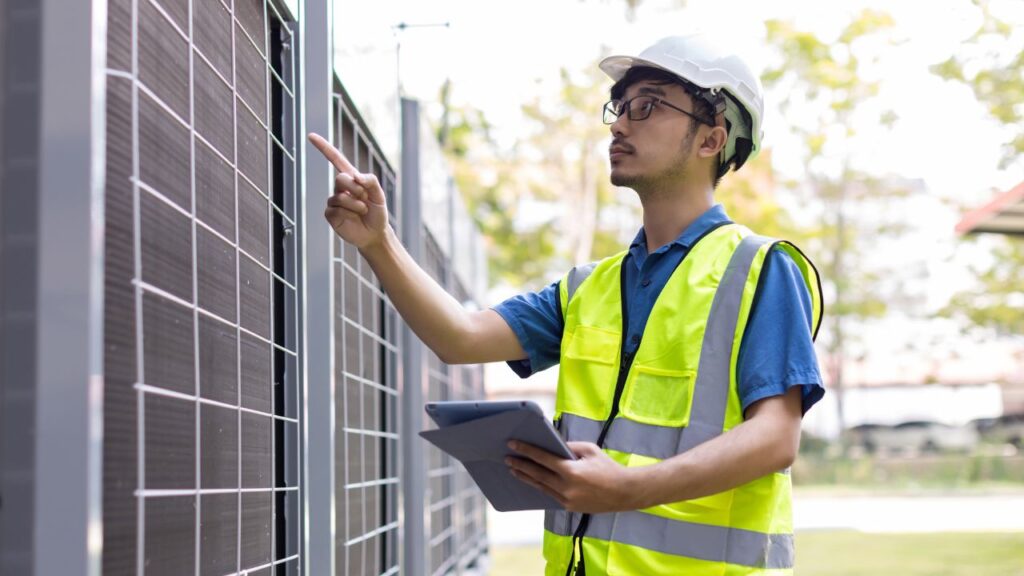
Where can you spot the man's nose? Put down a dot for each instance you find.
(621, 124)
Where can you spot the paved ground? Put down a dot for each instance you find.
(872, 514)
(876, 514)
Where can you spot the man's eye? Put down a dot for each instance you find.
(646, 106)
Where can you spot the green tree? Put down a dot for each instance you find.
(749, 197)
(991, 63)
(568, 146)
(999, 305)
(546, 203)
(496, 195)
(821, 90)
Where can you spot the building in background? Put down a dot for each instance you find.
(198, 376)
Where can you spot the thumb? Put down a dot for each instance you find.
(583, 448)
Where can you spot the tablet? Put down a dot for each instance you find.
(459, 411)
(479, 437)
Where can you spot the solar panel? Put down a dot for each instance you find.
(201, 404)
(366, 351)
(21, 24)
(202, 440)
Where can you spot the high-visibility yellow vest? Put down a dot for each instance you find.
(677, 392)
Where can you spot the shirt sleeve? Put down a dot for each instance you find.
(536, 319)
(777, 350)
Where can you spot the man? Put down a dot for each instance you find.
(686, 362)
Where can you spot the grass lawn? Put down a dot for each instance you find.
(857, 554)
(943, 554)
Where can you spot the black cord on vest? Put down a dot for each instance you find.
(624, 367)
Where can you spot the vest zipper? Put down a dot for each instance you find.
(625, 363)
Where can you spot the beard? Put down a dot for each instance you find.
(649, 184)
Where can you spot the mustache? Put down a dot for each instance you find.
(621, 145)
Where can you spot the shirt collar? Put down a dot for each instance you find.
(711, 218)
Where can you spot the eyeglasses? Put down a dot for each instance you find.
(640, 108)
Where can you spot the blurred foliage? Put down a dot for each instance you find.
(496, 195)
(999, 303)
(940, 472)
(569, 150)
(811, 445)
(822, 94)
(748, 197)
(991, 63)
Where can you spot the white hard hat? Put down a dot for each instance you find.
(700, 62)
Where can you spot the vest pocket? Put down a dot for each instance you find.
(593, 345)
(587, 372)
(659, 396)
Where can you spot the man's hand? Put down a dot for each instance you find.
(357, 211)
(593, 483)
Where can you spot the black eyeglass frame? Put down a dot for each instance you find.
(627, 108)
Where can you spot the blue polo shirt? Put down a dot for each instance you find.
(777, 351)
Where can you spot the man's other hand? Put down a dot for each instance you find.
(593, 483)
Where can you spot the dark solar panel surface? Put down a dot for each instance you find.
(21, 24)
(201, 392)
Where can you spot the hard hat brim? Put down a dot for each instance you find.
(617, 66)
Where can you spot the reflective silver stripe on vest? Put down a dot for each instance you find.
(700, 541)
(711, 390)
(576, 277)
(561, 522)
(626, 436)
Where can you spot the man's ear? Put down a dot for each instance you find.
(714, 141)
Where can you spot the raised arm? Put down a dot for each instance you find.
(357, 211)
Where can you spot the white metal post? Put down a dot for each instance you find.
(316, 279)
(69, 344)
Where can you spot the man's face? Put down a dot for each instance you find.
(656, 151)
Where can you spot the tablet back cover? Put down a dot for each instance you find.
(482, 445)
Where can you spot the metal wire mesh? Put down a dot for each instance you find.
(457, 535)
(201, 444)
(366, 411)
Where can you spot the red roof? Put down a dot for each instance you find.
(1004, 214)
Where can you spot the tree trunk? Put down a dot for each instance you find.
(587, 211)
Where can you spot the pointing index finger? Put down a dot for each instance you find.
(332, 154)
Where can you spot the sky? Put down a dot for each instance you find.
(499, 55)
